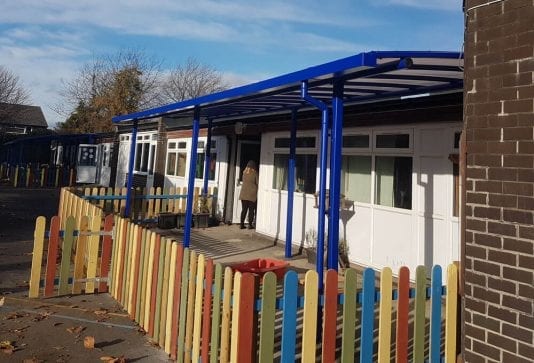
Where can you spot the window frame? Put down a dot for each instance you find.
(389, 150)
(298, 151)
(148, 145)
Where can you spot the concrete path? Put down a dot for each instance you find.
(53, 330)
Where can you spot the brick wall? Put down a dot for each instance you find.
(499, 219)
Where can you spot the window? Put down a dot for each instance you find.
(393, 183)
(356, 177)
(199, 171)
(201, 160)
(356, 141)
(305, 172)
(305, 164)
(300, 142)
(176, 158)
(145, 154)
(393, 141)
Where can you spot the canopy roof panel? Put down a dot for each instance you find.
(370, 76)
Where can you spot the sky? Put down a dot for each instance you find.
(46, 42)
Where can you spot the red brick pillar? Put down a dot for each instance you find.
(499, 231)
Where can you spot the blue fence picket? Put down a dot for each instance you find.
(435, 315)
(368, 315)
(289, 322)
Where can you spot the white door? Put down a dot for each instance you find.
(86, 163)
(246, 150)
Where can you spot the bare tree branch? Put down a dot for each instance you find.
(191, 80)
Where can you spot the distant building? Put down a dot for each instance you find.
(21, 119)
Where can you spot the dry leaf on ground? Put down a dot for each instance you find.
(2, 299)
(109, 359)
(6, 347)
(89, 342)
(100, 312)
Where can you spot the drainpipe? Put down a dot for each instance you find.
(207, 161)
(130, 171)
(191, 180)
(291, 183)
(322, 181)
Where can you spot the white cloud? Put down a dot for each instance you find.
(430, 4)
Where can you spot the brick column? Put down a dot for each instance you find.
(499, 231)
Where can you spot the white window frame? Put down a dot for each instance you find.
(151, 140)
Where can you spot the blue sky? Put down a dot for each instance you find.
(47, 41)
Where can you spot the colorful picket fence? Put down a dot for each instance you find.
(200, 311)
(38, 175)
(147, 203)
(77, 258)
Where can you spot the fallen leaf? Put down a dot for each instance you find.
(6, 347)
(76, 329)
(109, 359)
(2, 301)
(89, 342)
(14, 315)
(101, 312)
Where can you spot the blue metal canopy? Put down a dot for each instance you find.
(370, 76)
(362, 78)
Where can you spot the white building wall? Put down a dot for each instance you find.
(221, 169)
(377, 235)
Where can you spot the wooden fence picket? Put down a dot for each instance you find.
(79, 257)
(384, 329)
(451, 304)
(268, 313)
(403, 301)
(330, 317)
(107, 245)
(66, 252)
(348, 335)
(309, 329)
(37, 257)
(435, 315)
(290, 316)
(419, 318)
(196, 312)
(51, 260)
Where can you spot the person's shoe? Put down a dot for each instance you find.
(242, 226)
(251, 226)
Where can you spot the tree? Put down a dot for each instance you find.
(11, 93)
(190, 80)
(107, 86)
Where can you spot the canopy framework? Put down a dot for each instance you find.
(362, 78)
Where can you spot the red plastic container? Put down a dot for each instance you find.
(260, 266)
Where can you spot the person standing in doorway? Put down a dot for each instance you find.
(248, 194)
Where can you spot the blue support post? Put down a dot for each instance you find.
(322, 179)
(130, 171)
(335, 175)
(207, 161)
(191, 180)
(291, 184)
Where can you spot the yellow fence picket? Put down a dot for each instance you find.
(170, 298)
(235, 317)
(79, 258)
(309, 329)
(92, 254)
(37, 257)
(451, 310)
(197, 325)
(226, 310)
(384, 329)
